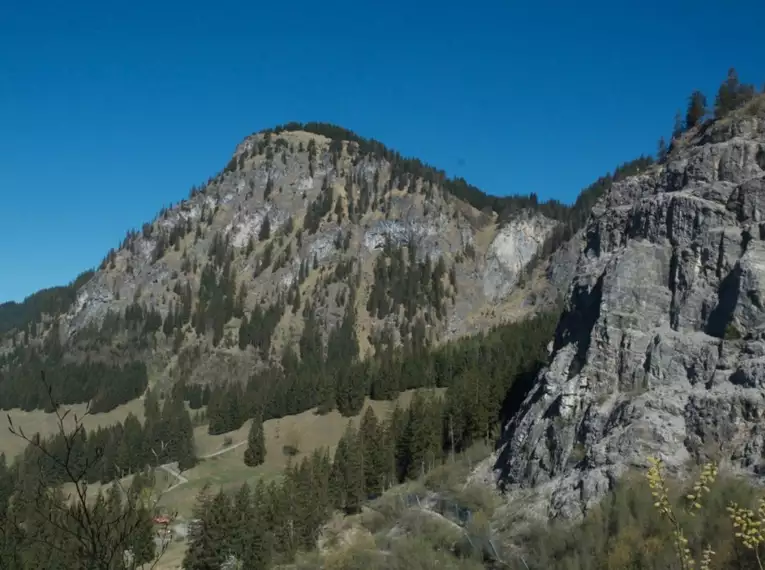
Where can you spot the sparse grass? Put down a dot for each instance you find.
(172, 559)
(307, 431)
(451, 476)
(228, 470)
(46, 423)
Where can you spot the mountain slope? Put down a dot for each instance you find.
(660, 348)
(308, 227)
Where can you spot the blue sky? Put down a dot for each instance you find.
(109, 110)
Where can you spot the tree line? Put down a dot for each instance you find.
(477, 369)
(121, 449)
(731, 95)
(106, 385)
(50, 301)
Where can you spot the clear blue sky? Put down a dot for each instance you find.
(108, 110)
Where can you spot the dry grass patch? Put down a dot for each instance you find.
(47, 423)
(305, 432)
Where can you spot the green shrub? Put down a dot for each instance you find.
(624, 531)
(732, 332)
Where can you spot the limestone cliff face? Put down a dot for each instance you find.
(661, 347)
(510, 251)
(362, 207)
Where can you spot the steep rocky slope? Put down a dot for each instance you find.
(302, 224)
(661, 347)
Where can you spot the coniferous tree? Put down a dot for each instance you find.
(352, 471)
(257, 549)
(209, 541)
(244, 333)
(697, 108)
(727, 95)
(255, 454)
(265, 229)
(373, 459)
(661, 151)
(678, 127)
(241, 516)
(241, 300)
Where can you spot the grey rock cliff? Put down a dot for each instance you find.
(367, 207)
(661, 347)
(511, 250)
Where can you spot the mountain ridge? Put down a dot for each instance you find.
(299, 223)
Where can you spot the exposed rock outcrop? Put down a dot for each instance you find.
(516, 243)
(332, 211)
(661, 347)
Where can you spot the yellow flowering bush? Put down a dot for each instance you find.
(660, 493)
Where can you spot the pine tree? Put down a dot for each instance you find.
(265, 229)
(142, 543)
(255, 454)
(337, 489)
(372, 453)
(347, 483)
(296, 301)
(257, 548)
(184, 436)
(661, 151)
(244, 333)
(678, 128)
(241, 300)
(697, 108)
(388, 470)
(725, 101)
(209, 541)
(242, 515)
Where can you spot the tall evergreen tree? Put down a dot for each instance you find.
(678, 127)
(725, 101)
(697, 108)
(265, 229)
(373, 459)
(351, 470)
(255, 454)
(661, 151)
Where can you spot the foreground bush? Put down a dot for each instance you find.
(662, 525)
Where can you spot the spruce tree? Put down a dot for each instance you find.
(661, 151)
(678, 127)
(352, 470)
(265, 229)
(255, 454)
(337, 489)
(372, 453)
(244, 333)
(257, 548)
(242, 515)
(725, 101)
(697, 108)
(209, 542)
(141, 540)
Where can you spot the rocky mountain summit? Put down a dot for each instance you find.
(307, 221)
(660, 350)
